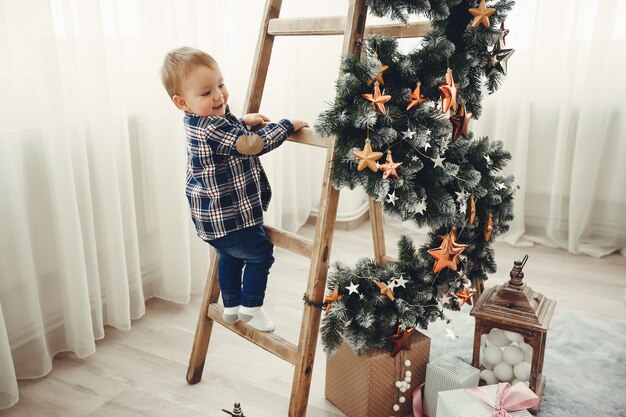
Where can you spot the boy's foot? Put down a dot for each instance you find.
(230, 314)
(256, 318)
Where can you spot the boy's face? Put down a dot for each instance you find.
(203, 92)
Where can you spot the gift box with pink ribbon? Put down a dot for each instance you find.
(501, 400)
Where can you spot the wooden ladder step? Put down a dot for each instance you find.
(272, 343)
(290, 241)
(335, 25)
(307, 136)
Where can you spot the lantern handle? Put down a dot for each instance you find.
(524, 260)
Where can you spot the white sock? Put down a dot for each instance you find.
(230, 314)
(262, 322)
(247, 313)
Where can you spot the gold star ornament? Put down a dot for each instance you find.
(367, 158)
(471, 213)
(378, 100)
(384, 289)
(416, 97)
(481, 14)
(447, 254)
(488, 227)
(335, 296)
(379, 77)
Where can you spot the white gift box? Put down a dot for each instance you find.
(460, 403)
(444, 374)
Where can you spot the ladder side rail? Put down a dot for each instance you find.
(261, 62)
(324, 229)
(205, 323)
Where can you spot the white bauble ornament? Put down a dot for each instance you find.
(408, 373)
(407, 379)
(402, 399)
(402, 389)
(398, 384)
(513, 355)
(522, 371)
(496, 337)
(407, 363)
(488, 365)
(492, 354)
(515, 381)
(513, 336)
(396, 407)
(488, 376)
(503, 371)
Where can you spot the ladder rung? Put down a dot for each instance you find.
(308, 136)
(290, 241)
(280, 347)
(335, 25)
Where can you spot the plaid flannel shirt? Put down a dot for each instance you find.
(226, 190)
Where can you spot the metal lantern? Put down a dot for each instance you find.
(510, 319)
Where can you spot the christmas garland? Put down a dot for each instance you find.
(402, 126)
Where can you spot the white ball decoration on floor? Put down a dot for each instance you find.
(504, 357)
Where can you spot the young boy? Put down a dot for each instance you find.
(227, 188)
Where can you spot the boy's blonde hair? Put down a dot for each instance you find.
(177, 65)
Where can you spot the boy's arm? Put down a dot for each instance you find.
(227, 138)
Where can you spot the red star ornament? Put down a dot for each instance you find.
(465, 296)
(367, 158)
(460, 122)
(401, 340)
(384, 289)
(448, 93)
(378, 100)
(481, 14)
(335, 296)
(389, 168)
(416, 97)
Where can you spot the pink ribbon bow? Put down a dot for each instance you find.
(508, 398)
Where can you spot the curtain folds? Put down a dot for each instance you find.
(560, 113)
(93, 215)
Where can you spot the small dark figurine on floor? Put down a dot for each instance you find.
(236, 411)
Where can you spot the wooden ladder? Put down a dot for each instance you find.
(303, 355)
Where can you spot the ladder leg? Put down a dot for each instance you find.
(316, 285)
(205, 324)
(378, 234)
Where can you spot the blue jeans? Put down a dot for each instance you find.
(248, 251)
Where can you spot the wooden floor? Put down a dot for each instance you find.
(142, 372)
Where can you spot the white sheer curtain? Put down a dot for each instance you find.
(560, 111)
(93, 218)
